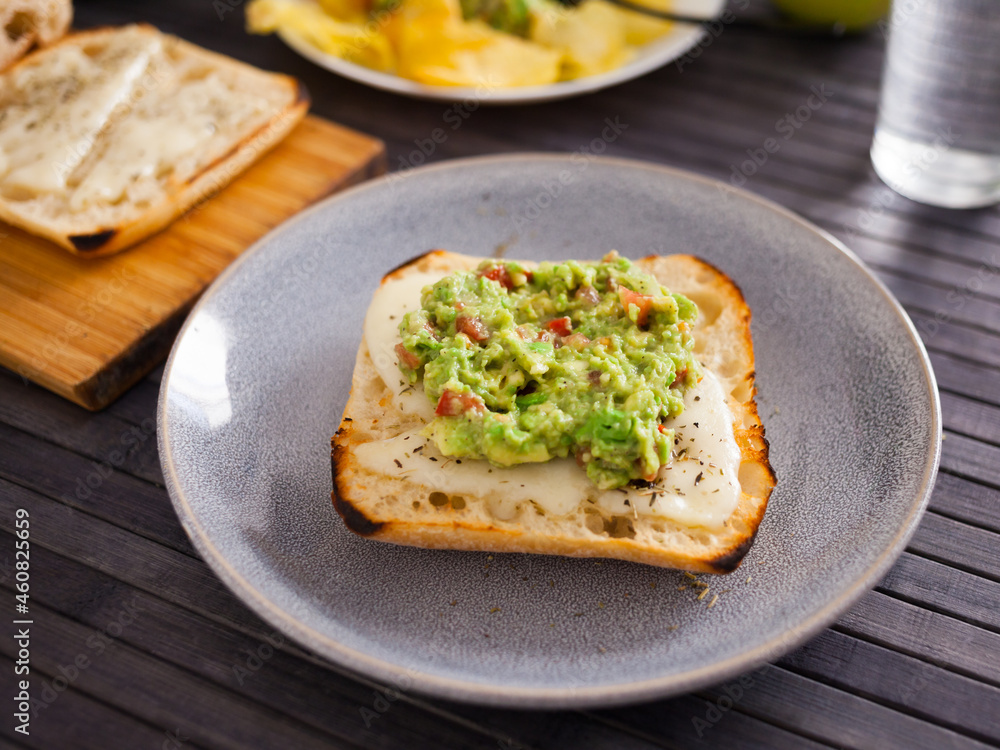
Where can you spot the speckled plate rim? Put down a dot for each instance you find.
(653, 55)
(547, 698)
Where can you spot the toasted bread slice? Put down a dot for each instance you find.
(109, 135)
(26, 23)
(410, 510)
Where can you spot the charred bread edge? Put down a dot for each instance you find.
(731, 558)
(353, 518)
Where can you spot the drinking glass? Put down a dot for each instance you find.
(937, 138)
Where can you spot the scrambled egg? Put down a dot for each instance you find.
(458, 43)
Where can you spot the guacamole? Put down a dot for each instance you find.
(567, 359)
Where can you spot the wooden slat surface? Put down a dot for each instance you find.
(87, 328)
(915, 664)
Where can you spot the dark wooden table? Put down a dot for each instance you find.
(136, 644)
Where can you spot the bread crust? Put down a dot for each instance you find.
(26, 23)
(179, 195)
(382, 507)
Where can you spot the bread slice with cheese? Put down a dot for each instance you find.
(391, 484)
(26, 23)
(109, 135)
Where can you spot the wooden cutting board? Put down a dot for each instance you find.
(90, 328)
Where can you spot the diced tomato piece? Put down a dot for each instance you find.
(642, 301)
(587, 295)
(651, 476)
(680, 378)
(474, 328)
(560, 326)
(407, 358)
(499, 274)
(453, 404)
(577, 341)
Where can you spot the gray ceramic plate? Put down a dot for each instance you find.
(260, 374)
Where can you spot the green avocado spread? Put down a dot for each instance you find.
(567, 359)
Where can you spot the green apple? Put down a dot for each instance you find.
(854, 15)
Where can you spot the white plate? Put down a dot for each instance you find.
(649, 57)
